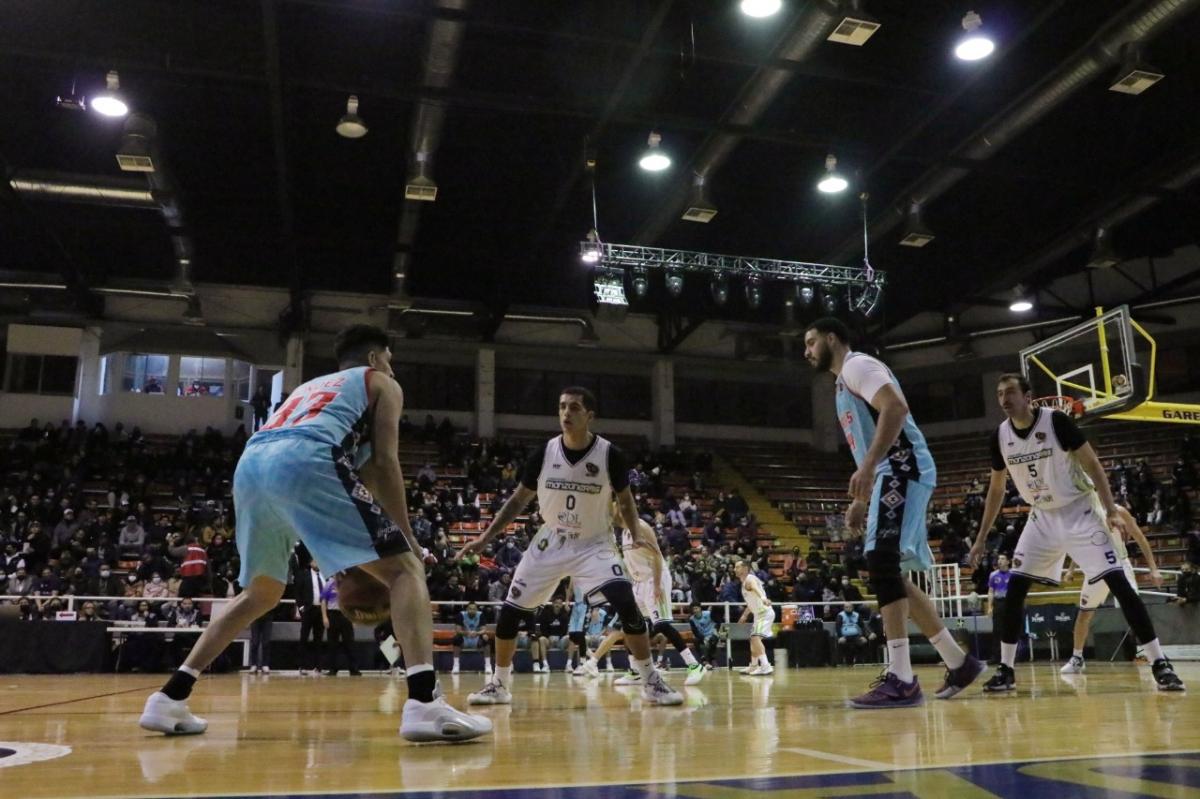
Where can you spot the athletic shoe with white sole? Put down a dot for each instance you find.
(1165, 676)
(628, 678)
(1073, 666)
(765, 670)
(437, 721)
(170, 716)
(694, 674)
(658, 692)
(492, 693)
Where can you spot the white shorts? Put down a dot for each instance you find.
(764, 624)
(552, 557)
(1096, 591)
(643, 592)
(1079, 530)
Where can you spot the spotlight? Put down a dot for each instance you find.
(975, 44)
(1104, 255)
(719, 289)
(806, 294)
(351, 125)
(591, 248)
(754, 294)
(654, 159)
(830, 301)
(1021, 302)
(109, 103)
(641, 282)
(1134, 76)
(915, 232)
(833, 182)
(761, 8)
(674, 282)
(700, 208)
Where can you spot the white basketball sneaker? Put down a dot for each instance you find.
(437, 721)
(695, 674)
(492, 693)
(170, 716)
(629, 678)
(764, 670)
(750, 670)
(1073, 666)
(658, 692)
(590, 669)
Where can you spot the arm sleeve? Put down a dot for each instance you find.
(618, 469)
(533, 469)
(865, 376)
(998, 464)
(1067, 432)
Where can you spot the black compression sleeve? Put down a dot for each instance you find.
(1067, 432)
(533, 468)
(998, 464)
(618, 469)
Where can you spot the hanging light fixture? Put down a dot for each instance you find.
(654, 159)
(1021, 302)
(833, 182)
(351, 125)
(674, 283)
(806, 294)
(591, 248)
(761, 8)
(719, 289)
(915, 234)
(975, 44)
(754, 293)
(830, 301)
(110, 103)
(641, 282)
(699, 207)
(1104, 255)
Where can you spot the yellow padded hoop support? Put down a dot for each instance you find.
(1153, 356)
(1104, 353)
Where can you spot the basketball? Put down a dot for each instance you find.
(362, 598)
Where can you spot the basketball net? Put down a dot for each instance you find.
(1068, 405)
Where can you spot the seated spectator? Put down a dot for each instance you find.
(155, 588)
(704, 635)
(20, 582)
(132, 539)
(850, 634)
(1187, 589)
(88, 612)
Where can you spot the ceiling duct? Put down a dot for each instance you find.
(134, 154)
(1141, 22)
(811, 27)
(85, 189)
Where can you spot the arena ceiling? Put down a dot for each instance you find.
(509, 98)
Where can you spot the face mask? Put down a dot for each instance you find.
(157, 580)
(106, 575)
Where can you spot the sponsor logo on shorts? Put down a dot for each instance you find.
(572, 485)
(592, 469)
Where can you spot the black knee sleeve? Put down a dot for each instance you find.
(667, 630)
(883, 570)
(1132, 606)
(620, 595)
(1012, 621)
(509, 621)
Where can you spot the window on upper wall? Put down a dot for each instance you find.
(241, 381)
(42, 374)
(144, 373)
(201, 377)
(535, 392)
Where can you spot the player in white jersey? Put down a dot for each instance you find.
(652, 589)
(574, 477)
(303, 476)
(1073, 513)
(759, 608)
(1094, 594)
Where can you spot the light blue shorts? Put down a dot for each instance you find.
(896, 521)
(579, 612)
(293, 487)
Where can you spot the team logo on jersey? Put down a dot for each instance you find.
(1016, 563)
(1040, 436)
(1100, 538)
(18, 753)
(592, 469)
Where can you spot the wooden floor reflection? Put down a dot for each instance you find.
(288, 735)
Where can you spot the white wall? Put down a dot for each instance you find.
(17, 409)
(163, 413)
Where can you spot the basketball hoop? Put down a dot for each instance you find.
(1068, 405)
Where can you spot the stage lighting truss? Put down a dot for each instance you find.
(863, 288)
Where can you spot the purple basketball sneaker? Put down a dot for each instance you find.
(890, 691)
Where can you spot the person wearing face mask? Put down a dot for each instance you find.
(105, 583)
(509, 555)
(1187, 589)
(156, 587)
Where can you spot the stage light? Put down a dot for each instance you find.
(975, 43)
(833, 182)
(109, 103)
(654, 159)
(761, 8)
(674, 283)
(351, 125)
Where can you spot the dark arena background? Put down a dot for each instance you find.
(653, 200)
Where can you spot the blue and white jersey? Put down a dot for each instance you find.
(909, 456)
(579, 610)
(472, 624)
(333, 409)
(595, 626)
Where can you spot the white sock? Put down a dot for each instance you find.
(643, 667)
(900, 665)
(196, 674)
(688, 658)
(487, 664)
(503, 675)
(1077, 653)
(1008, 654)
(456, 663)
(1153, 650)
(948, 648)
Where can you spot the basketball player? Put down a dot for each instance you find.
(1094, 594)
(652, 588)
(577, 648)
(574, 478)
(890, 490)
(759, 608)
(298, 479)
(1057, 472)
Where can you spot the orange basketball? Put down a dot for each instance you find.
(362, 598)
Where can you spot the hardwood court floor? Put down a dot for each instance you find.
(287, 735)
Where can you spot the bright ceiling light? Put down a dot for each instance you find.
(832, 183)
(976, 44)
(1020, 306)
(761, 8)
(109, 103)
(654, 159)
(351, 125)
(591, 250)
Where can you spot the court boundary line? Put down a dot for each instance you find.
(849, 761)
(346, 793)
(79, 699)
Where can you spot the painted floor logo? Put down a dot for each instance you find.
(17, 753)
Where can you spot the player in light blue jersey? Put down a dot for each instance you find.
(890, 491)
(299, 478)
